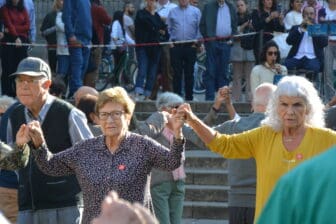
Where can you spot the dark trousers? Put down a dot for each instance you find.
(52, 59)
(183, 57)
(241, 215)
(303, 63)
(10, 59)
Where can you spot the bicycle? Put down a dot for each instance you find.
(199, 71)
(124, 74)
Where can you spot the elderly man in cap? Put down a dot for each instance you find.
(45, 199)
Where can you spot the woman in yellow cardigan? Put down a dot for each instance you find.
(293, 131)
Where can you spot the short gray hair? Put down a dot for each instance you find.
(299, 87)
(6, 102)
(168, 99)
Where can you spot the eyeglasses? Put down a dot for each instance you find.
(113, 114)
(174, 106)
(270, 53)
(19, 81)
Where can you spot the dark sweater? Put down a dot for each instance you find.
(37, 190)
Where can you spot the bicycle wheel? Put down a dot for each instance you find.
(105, 71)
(126, 77)
(199, 87)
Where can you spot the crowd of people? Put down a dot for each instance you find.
(59, 162)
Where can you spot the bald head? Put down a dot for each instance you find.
(261, 96)
(84, 90)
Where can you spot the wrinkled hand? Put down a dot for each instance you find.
(224, 95)
(36, 134)
(22, 136)
(184, 110)
(177, 121)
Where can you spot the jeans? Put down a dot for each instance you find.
(168, 200)
(217, 63)
(51, 216)
(147, 70)
(63, 65)
(79, 58)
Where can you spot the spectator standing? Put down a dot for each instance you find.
(294, 117)
(17, 26)
(183, 25)
(78, 30)
(48, 31)
(294, 15)
(242, 58)
(117, 160)
(267, 18)
(118, 37)
(129, 10)
(329, 14)
(219, 20)
(165, 70)
(149, 29)
(100, 19)
(269, 70)
(63, 56)
(306, 51)
(241, 173)
(44, 199)
(30, 7)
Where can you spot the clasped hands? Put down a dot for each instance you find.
(30, 132)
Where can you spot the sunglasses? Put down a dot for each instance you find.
(270, 53)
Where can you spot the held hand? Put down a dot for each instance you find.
(36, 134)
(177, 121)
(225, 94)
(184, 110)
(22, 136)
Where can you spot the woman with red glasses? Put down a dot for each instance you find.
(269, 69)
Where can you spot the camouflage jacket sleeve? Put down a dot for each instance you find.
(13, 158)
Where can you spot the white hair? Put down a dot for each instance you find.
(296, 86)
(168, 99)
(6, 102)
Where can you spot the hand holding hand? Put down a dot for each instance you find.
(36, 134)
(177, 121)
(22, 136)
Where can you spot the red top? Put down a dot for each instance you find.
(99, 18)
(17, 22)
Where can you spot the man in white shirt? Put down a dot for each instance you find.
(307, 51)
